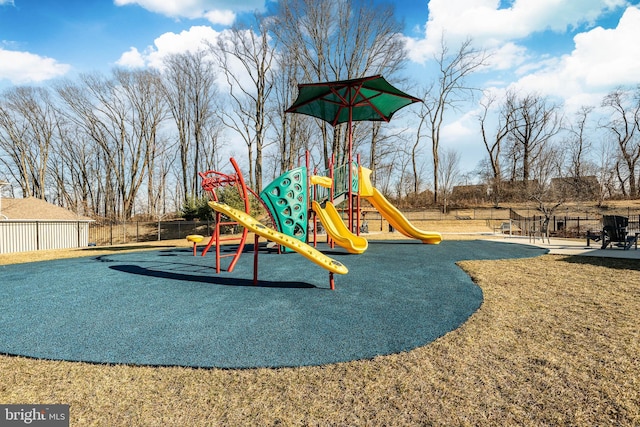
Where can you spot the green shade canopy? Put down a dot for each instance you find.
(367, 98)
(345, 101)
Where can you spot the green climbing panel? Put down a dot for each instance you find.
(286, 198)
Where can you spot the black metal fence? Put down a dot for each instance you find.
(115, 233)
(574, 225)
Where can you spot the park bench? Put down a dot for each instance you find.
(505, 227)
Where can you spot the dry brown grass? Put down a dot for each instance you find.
(556, 342)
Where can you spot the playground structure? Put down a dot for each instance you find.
(290, 202)
(290, 207)
(287, 199)
(391, 213)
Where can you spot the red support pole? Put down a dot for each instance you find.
(309, 198)
(332, 166)
(332, 283)
(216, 235)
(313, 195)
(350, 192)
(358, 205)
(247, 208)
(255, 259)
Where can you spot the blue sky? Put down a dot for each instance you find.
(576, 50)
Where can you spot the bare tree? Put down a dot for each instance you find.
(606, 170)
(145, 92)
(121, 115)
(449, 174)
(249, 89)
(76, 171)
(416, 148)
(548, 200)
(449, 92)
(532, 121)
(579, 143)
(338, 40)
(29, 125)
(383, 143)
(189, 87)
(579, 168)
(82, 111)
(494, 142)
(400, 162)
(535, 120)
(624, 126)
(511, 160)
(293, 133)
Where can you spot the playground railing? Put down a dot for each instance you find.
(341, 180)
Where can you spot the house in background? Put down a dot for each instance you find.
(32, 224)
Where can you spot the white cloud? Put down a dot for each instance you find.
(221, 17)
(192, 40)
(24, 67)
(491, 27)
(507, 56)
(131, 59)
(461, 129)
(167, 44)
(9, 2)
(221, 12)
(601, 60)
(604, 56)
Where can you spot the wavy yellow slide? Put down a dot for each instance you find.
(302, 248)
(390, 212)
(339, 232)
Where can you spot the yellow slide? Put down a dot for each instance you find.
(253, 225)
(339, 232)
(390, 212)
